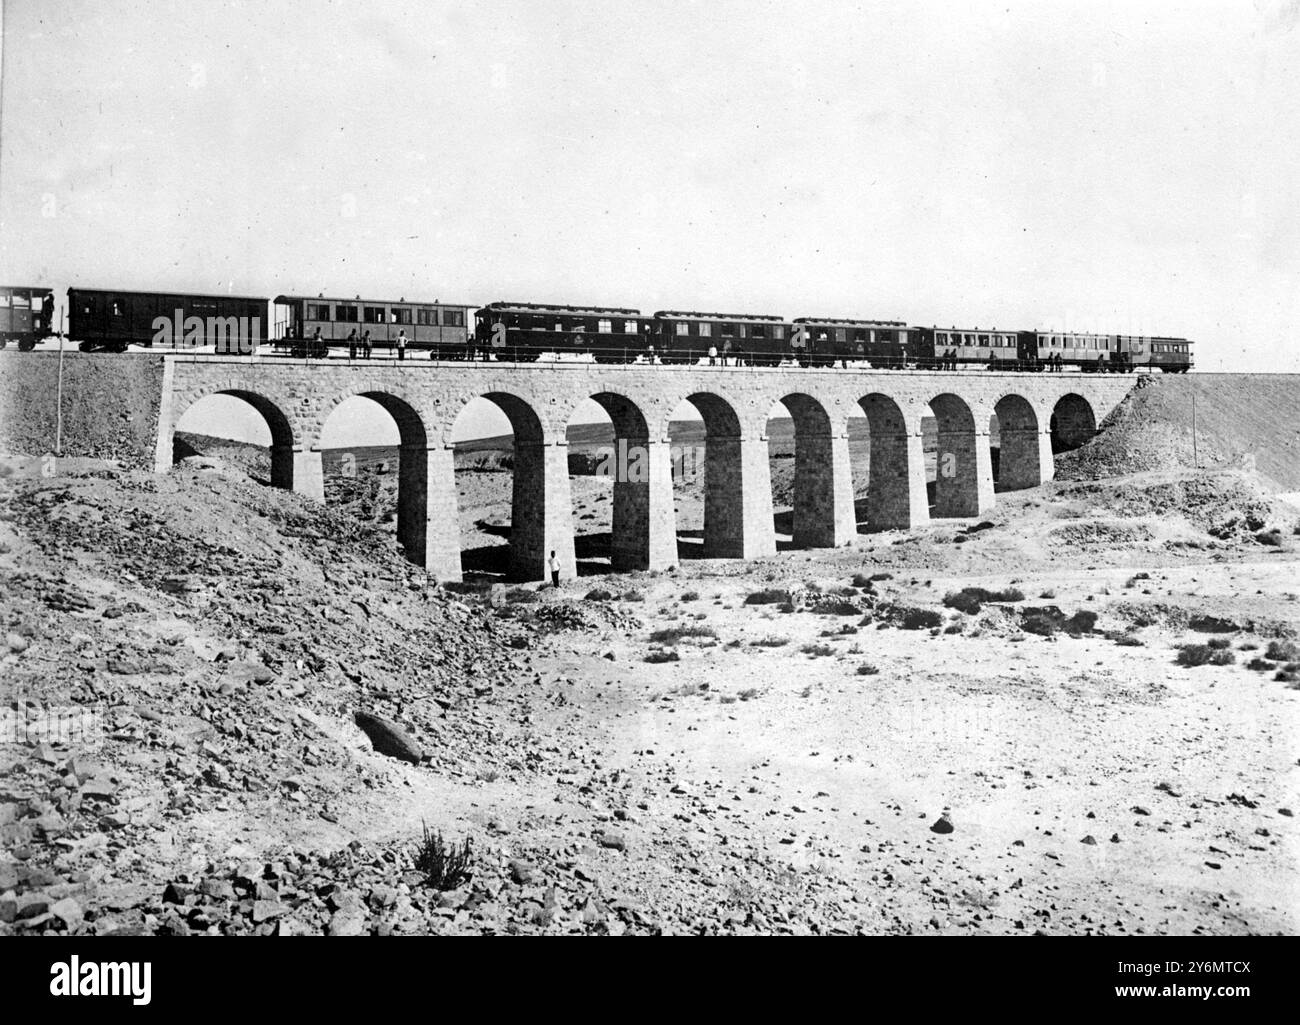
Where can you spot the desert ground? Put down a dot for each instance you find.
(1078, 714)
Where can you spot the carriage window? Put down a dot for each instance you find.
(840, 334)
(605, 327)
(402, 315)
(706, 330)
(117, 308)
(727, 330)
(374, 314)
(758, 331)
(424, 316)
(683, 329)
(559, 325)
(778, 331)
(741, 330)
(859, 336)
(984, 339)
(346, 313)
(629, 327)
(453, 318)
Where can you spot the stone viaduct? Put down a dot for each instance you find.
(425, 399)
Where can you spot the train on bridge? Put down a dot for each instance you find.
(318, 327)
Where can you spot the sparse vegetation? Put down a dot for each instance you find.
(674, 634)
(445, 866)
(1204, 654)
(1282, 651)
(971, 599)
(522, 596)
(748, 694)
(817, 650)
(660, 655)
(767, 596)
(770, 642)
(599, 594)
(868, 669)
(632, 595)
(912, 618)
(838, 608)
(690, 596)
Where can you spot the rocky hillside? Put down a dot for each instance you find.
(1251, 417)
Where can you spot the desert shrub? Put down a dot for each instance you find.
(877, 577)
(748, 694)
(1282, 651)
(868, 670)
(964, 601)
(673, 634)
(953, 628)
(523, 596)
(1273, 538)
(690, 596)
(1287, 675)
(837, 608)
(445, 866)
(861, 580)
(599, 594)
(785, 607)
(1082, 622)
(812, 587)
(1128, 640)
(1038, 624)
(1049, 594)
(659, 656)
(767, 596)
(1248, 646)
(632, 595)
(912, 618)
(1260, 665)
(971, 599)
(1219, 643)
(770, 642)
(817, 650)
(1204, 654)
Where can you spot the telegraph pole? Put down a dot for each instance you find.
(58, 427)
(1196, 458)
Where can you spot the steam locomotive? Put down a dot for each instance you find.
(316, 326)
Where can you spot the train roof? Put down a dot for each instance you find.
(184, 295)
(730, 317)
(15, 289)
(585, 311)
(840, 322)
(978, 330)
(363, 300)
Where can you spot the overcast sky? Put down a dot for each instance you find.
(1115, 166)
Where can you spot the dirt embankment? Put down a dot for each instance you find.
(1174, 422)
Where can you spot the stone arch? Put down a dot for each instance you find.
(737, 482)
(896, 495)
(541, 517)
(823, 486)
(1020, 448)
(285, 435)
(1073, 422)
(963, 476)
(412, 466)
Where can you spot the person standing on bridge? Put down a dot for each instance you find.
(713, 355)
(554, 563)
(401, 344)
(365, 345)
(352, 344)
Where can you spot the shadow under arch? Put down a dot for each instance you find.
(957, 458)
(1073, 422)
(896, 495)
(728, 471)
(816, 508)
(1019, 460)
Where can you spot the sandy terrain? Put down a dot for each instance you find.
(786, 766)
